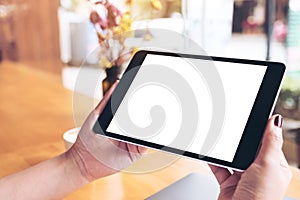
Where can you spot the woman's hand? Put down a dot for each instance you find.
(91, 157)
(98, 156)
(269, 175)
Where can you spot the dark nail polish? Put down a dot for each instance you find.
(278, 121)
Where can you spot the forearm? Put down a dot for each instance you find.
(51, 179)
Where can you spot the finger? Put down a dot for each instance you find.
(272, 141)
(136, 149)
(142, 149)
(237, 175)
(99, 108)
(221, 174)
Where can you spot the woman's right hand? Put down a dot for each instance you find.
(269, 175)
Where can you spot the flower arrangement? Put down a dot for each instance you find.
(113, 27)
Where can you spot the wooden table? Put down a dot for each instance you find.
(35, 110)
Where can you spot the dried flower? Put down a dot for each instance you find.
(134, 50)
(156, 4)
(105, 62)
(113, 15)
(97, 20)
(129, 2)
(94, 17)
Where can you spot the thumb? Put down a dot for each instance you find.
(272, 141)
(99, 108)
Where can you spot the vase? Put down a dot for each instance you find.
(112, 75)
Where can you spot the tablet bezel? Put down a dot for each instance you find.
(255, 126)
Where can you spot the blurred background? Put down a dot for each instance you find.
(55, 37)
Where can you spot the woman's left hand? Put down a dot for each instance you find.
(98, 156)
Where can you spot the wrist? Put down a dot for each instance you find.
(74, 169)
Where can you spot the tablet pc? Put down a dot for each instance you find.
(213, 109)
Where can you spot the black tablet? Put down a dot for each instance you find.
(208, 108)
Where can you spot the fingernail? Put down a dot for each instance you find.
(278, 121)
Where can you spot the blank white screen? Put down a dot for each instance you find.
(241, 83)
